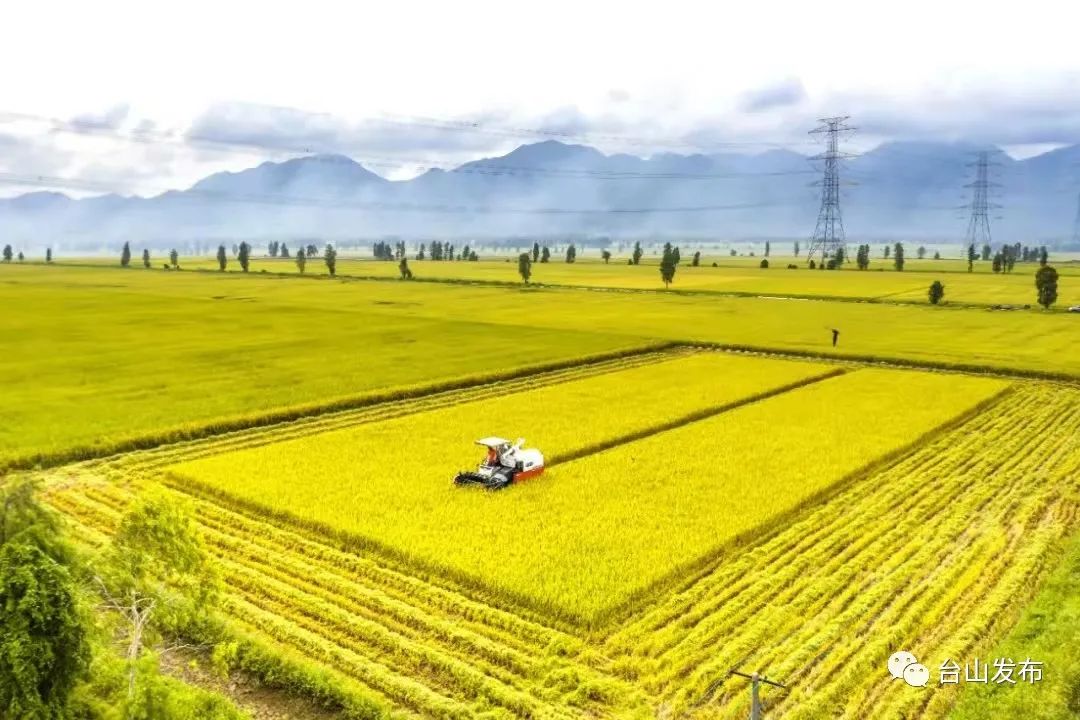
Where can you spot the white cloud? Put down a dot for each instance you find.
(604, 68)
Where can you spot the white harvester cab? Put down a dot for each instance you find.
(504, 463)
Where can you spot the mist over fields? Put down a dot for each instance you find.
(900, 190)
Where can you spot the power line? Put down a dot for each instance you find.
(481, 167)
(829, 232)
(481, 127)
(296, 201)
(111, 187)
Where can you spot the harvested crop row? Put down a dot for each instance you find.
(385, 484)
(236, 533)
(934, 554)
(838, 559)
(320, 610)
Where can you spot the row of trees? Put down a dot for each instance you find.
(275, 249)
(1004, 260)
(1017, 251)
(1045, 278)
(1046, 286)
(9, 253)
(438, 251)
(386, 251)
(125, 257)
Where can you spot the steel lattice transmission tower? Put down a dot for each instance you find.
(829, 231)
(978, 231)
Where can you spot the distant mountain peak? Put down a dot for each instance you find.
(902, 186)
(332, 158)
(551, 151)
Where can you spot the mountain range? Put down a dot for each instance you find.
(901, 190)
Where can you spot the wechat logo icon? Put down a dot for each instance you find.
(905, 666)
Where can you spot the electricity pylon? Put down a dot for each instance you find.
(978, 231)
(829, 231)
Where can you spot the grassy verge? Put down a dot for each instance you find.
(1048, 631)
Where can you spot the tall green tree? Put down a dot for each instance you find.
(936, 292)
(44, 647)
(605, 255)
(768, 247)
(146, 258)
(921, 252)
(545, 254)
(536, 252)
(244, 256)
(898, 257)
(668, 265)
(636, 255)
(525, 266)
(284, 251)
(571, 253)
(174, 258)
(695, 261)
(403, 268)
(972, 256)
(330, 258)
(48, 255)
(8, 252)
(796, 248)
(222, 258)
(1046, 282)
(125, 255)
(1043, 255)
(862, 257)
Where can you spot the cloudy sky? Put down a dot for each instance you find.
(143, 96)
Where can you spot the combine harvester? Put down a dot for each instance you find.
(504, 464)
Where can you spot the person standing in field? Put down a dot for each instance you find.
(835, 336)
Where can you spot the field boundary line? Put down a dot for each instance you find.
(353, 417)
(394, 559)
(223, 426)
(892, 362)
(684, 577)
(693, 417)
(599, 625)
(537, 286)
(209, 428)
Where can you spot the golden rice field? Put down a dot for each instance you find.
(701, 511)
(595, 531)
